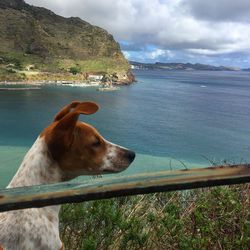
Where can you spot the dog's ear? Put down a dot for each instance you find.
(67, 118)
(65, 110)
(86, 108)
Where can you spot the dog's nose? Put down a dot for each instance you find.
(130, 155)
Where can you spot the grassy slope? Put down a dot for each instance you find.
(210, 218)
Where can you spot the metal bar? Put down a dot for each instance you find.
(103, 188)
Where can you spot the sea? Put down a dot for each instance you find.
(171, 119)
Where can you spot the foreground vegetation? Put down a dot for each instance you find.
(209, 218)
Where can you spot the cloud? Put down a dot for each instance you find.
(158, 54)
(220, 10)
(181, 28)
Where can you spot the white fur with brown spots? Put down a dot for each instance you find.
(66, 149)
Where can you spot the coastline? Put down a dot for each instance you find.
(44, 82)
(31, 85)
(94, 79)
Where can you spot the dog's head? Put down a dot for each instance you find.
(79, 149)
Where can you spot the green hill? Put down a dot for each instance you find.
(35, 43)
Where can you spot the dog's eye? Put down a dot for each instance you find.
(96, 143)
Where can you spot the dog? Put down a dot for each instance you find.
(67, 148)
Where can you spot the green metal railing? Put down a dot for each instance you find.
(103, 188)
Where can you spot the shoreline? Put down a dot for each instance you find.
(57, 83)
(73, 83)
(87, 79)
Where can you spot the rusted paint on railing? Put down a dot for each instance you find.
(103, 188)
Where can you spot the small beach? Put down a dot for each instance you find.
(30, 85)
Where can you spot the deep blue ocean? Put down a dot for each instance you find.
(170, 118)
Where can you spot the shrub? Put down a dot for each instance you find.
(209, 218)
(18, 65)
(10, 70)
(74, 70)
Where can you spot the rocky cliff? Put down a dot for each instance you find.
(38, 39)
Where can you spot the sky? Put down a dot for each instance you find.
(198, 31)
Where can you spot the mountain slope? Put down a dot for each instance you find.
(34, 35)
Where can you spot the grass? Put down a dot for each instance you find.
(104, 64)
(57, 69)
(209, 218)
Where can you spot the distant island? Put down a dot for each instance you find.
(182, 66)
(36, 44)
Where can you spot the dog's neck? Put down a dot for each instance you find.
(37, 167)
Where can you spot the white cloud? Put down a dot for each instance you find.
(127, 55)
(220, 10)
(153, 55)
(169, 25)
(156, 53)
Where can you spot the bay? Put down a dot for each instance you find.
(172, 119)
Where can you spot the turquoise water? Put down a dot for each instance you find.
(169, 118)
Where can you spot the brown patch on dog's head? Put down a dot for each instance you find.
(77, 147)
